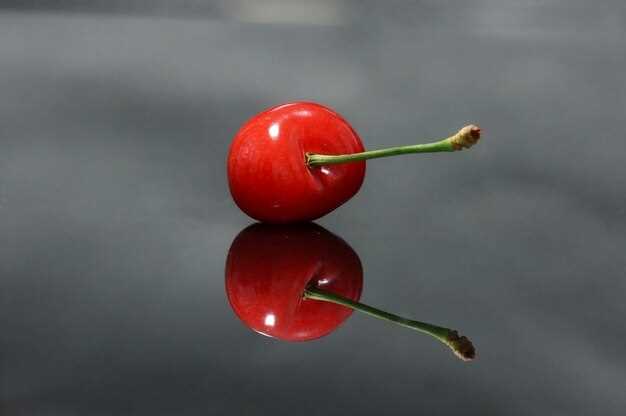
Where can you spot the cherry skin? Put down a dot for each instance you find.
(269, 268)
(268, 175)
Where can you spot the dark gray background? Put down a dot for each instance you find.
(115, 217)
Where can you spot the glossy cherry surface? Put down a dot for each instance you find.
(268, 269)
(268, 176)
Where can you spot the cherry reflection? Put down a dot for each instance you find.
(301, 282)
(269, 268)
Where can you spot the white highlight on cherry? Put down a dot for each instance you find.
(270, 319)
(274, 131)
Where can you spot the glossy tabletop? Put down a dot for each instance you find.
(116, 219)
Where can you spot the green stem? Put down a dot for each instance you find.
(461, 346)
(463, 139)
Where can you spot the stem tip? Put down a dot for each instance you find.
(466, 137)
(461, 346)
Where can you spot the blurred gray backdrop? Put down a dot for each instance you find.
(115, 217)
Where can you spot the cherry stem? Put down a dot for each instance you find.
(460, 345)
(463, 139)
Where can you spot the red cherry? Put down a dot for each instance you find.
(267, 171)
(299, 161)
(269, 268)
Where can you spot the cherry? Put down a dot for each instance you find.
(300, 282)
(299, 161)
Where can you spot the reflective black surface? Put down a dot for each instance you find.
(115, 217)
